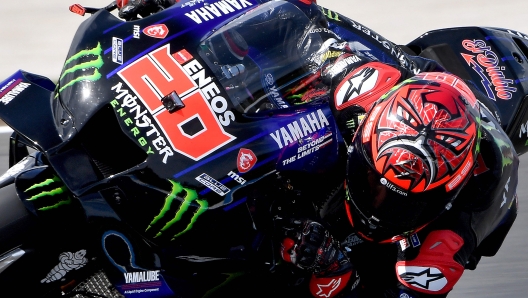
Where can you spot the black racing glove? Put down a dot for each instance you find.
(130, 9)
(310, 246)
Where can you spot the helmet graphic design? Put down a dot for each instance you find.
(413, 153)
(423, 139)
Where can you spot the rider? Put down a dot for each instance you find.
(431, 176)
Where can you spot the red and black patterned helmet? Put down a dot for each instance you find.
(411, 156)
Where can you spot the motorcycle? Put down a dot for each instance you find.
(165, 158)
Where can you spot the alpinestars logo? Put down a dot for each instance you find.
(187, 197)
(55, 194)
(426, 278)
(357, 84)
(83, 66)
(328, 289)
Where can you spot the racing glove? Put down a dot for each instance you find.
(130, 9)
(310, 246)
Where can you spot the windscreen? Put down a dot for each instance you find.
(258, 59)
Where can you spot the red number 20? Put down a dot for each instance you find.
(158, 74)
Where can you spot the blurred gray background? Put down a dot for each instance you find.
(35, 36)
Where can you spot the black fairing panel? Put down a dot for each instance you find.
(23, 96)
(496, 60)
(15, 221)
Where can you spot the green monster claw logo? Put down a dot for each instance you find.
(51, 193)
(507, 156)
(91, 66)
(189, 196)
(330, 14)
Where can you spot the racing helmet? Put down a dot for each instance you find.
(411, 156)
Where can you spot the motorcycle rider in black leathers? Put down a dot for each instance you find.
(431, 176)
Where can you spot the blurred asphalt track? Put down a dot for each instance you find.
(35, 36)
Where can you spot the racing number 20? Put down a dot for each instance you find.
(156, 75)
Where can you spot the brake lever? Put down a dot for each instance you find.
(81, 10)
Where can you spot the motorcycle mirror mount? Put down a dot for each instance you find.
(172, 102)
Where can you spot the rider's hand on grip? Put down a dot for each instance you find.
(310, 246)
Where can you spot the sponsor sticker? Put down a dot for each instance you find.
(213, 184)
(68, 261)
(310, 146)
(488, 65)
(415, 240)
(404, 244)
(11, 90)
(392, 187)
(246, 160)
(192, 3)
(117, 50)
(126, 107)
(190, 198)
(216, 9)
(157, 31)
(300, 128)
(236, 177)
(341, 64)
(273, 92)
(91, 61)
(8, 84)
(182, 56)
(142, 282)
(142, 276)
(137, 31)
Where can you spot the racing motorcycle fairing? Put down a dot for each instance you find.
(175, 182)
(495, 59)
